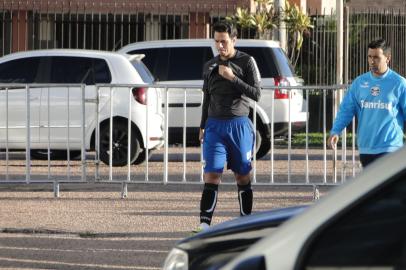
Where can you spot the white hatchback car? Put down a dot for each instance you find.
(360, 225)
(180, 62)
(55, 112)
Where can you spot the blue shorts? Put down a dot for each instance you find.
(230, 140)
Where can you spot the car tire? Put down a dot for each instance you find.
(142, 157)
(120, 144)
(42, 154)
(263, 144)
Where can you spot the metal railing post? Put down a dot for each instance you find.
(129, 139)
(56, 189)
(147, 141)
(97, 136)
(124, 185)
(353, 147)
(111, 136)
(28, 138)
(7, 138)
(165, 179)
(307, 136)
(344, 155)
(83, 129)
(68, 131)
(272, 134)
(49, 132)
(124, 190)
(55, 182)
(201, 151)
(254, 116)
(184, 136)
(289, 136)
(324, 138)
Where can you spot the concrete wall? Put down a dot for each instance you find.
(376, 4)
(326, 7)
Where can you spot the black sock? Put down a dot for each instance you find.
(245, 199)
(208, 202)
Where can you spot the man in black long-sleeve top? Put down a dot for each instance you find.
(226, 132)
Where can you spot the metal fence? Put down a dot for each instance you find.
(285, 164)
(35, 25)
(318, 56)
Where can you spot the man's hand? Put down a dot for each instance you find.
(226, 72)
(332, 141)
(201, 133)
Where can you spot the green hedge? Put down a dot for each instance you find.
(315, 140)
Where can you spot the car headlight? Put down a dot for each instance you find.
(176, 260)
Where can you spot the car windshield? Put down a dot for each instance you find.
(272, 62)
(144, 72)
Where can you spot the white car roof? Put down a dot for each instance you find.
(195, 43)
(288, 240)
(120, 66)
(63, 52)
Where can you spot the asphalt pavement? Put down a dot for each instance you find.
(91, 227)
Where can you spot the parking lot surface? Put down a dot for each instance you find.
(91, 227)
(87, 229)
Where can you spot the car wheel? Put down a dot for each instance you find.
(263, 144)
(142, 157)
(119, 144)
(42, 154)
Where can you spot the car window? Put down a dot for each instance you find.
(187, 63)
(284, 65)
(101, 71)
(177, 63)
(372, 234)
(20, 70)
(70, 69)
(156, 60)
(272, 62)
(67, 69)
(143, 71)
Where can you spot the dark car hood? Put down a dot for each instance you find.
(256, 221)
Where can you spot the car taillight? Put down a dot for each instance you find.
(140, 95)
(281, 93)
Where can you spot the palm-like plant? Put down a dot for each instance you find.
(266, 18)
(297, 23)
(243, 18)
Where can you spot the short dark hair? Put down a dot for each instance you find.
(380, 44)
(225, 26)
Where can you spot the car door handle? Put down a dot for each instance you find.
(34, 98)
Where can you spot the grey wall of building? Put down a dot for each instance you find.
(376, 4)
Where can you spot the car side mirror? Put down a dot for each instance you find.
(252, 263)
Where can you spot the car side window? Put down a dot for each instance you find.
(156, 60)
(271, 62)
(101, 71)
(285, 67)
(187, 63)
(67, 69)
(143, 71)
(371, 234)
(22, 70)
